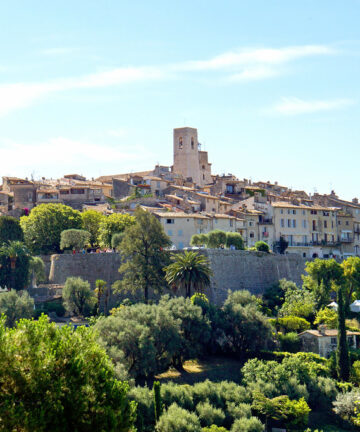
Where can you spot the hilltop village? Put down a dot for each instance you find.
(189, 199)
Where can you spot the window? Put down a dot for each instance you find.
(180, 233)
(192, 143)
(281, 211)
(304, 224)
(325, 224)
(203, 167)
(282, 223)
(170, 221)
(180, 143)
(169, 232)
(305, 238)
(303, 212)
(250, 223)
(347, 223)
(304, 254)
(203, 176)
(289, 211)
(313, 212)
(333, 341)
(231, 222)
(332, 224)
(339, 222)
(252, 235)
(158, 184)
(325, 213)
(181, 245)
(314, 225)
(294, 211)
(289, 223)
(294, 223)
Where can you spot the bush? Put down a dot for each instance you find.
(214, 428)
(116, 240)
(77, 296)
(10, 230)
(261, 246)
(16, 305)
(292, 324)
(252, 424)
(74, 239)
(234, 239)
(177, 419)
(209, 415)
(289, 342)
(327, 316)
(198, 240)
(216, 239)
(345, 403)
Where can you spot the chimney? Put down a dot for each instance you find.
(322, 329)
(355, 201)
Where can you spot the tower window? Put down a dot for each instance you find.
(180, 143)
(192, 143)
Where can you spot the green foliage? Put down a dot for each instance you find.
(14, 265)
(214, 428)
(342, 351)
(91, 220)
(355, 372)
(345, 404)
(15, 305)
(262, 246)
(188, 270)
(143, 256)
(77, 296)
(289, 342)
(102, 291)
(274, 295)
(252, 424)
(116, 240)
(234, 239)
(290, 413)
(208, 414)
(283, 244)
(327, 316)
(199, 240)
(177, 419)
(216, 239)
(291, 324)
(158, 406)
(43, 227)
(48, 307)
(112, 224)
(246, 328)
(74, 239)
(57, 379)
(10, 230)
(351, 269)
(36, 270)
(298, 301)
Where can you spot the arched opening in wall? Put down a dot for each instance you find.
(192, 143)
(180, 143)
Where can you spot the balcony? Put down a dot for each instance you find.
(346, 239)
(265, 221)
(311, 244)
(265, 234)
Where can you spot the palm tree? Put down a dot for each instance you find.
(100, 291)
(13, 250)
(188, 270)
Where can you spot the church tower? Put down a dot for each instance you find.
(186, 154)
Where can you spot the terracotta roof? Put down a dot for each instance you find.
(206, 195)
(169, 215)
(285, 204)
(328, 333)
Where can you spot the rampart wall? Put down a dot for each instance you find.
(233, 270)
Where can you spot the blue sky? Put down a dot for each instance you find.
(97, 87)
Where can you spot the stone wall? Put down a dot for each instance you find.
(233, 270)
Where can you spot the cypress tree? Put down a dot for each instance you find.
(342, 352)
(157, 400)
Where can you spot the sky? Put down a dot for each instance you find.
(96, 88)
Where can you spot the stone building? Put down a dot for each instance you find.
(23, 192)
(189, 161)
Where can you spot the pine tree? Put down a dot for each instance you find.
(342, 353)
(157, 400)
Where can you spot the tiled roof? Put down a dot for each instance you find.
(285, 204)
(328, 333)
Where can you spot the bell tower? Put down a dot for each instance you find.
(186, 154)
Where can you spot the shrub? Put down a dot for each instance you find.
(209, 415)
(216, 239)
(234, 239)
(252, 424)
(10, 229)
(198, 240)
(327, 316)
(177, 419)
(345, 403)
(289, 342)
(214, 428)
(16, 305)
(74, 239)
(116, 240)
(293, 323)
(261, 246)
(77, 296)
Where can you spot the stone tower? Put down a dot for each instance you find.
(186, 154)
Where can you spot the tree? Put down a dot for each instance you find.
(262, 246)
(176, 419)
(112, 224)
(14, 265)
(327, 316)
(351, 268)
(10, 229)
(116, 240)
(342, 351)
(298, 301)
(143, 256)
(188, 270)
(74, 239)
(283, 244)
(158, 406)
(199, 240)
(43, 227)
(252, 424)
(58, 379)
(77, 296)
(100, 290)
(36, 270)
(16, 305)
(274, 295)
(234, 239)
(246, 328)
(321, 276)
(91, 220)
(216, 239)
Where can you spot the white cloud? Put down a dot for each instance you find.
(244, 65)
(63, 152)
(294, 106)
(117, 133)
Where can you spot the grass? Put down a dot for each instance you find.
(212, 368)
